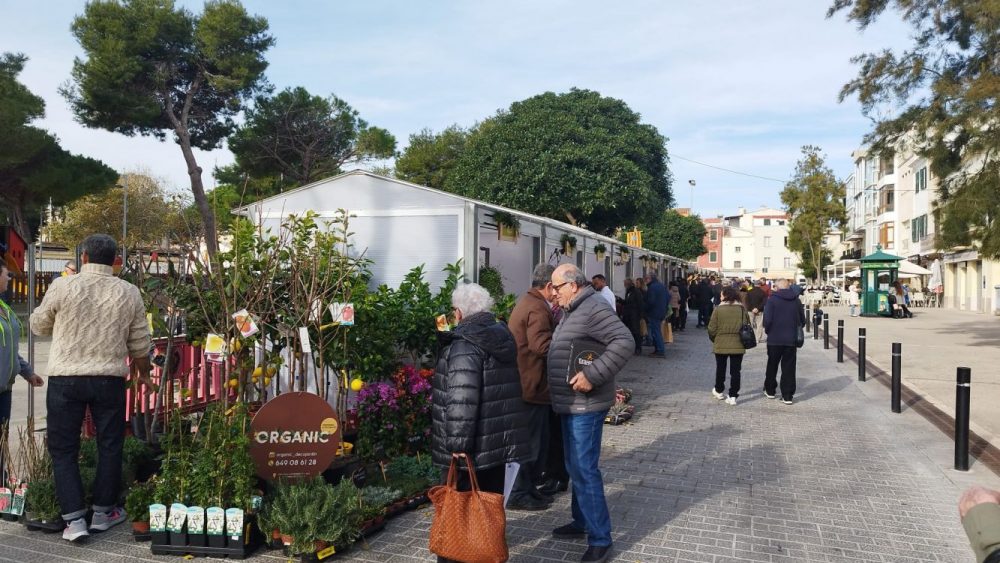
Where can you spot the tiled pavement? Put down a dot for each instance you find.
(835, 477)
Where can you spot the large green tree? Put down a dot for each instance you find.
(153, 68)
(940, 94)
(814, 200)
(675, 234)
(577, 156)
(153, 215)
(34, 169)
(430, 157)
(305, 138)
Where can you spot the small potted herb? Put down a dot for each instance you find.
(140, 496)
(508, 226)
(568, 243)
(600, 251)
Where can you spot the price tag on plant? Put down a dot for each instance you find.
(175, 521)
(17, 505)
(245, 323)
(342, 313)
(6, 498)
(234, 523)
(196, 520)
(157, 518)
(304, 340)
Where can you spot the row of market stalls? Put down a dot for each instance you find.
(399, 225)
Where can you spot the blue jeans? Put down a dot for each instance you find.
(582, 443)
(655, 327)
(66, 403)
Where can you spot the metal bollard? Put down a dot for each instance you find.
(862, 335)
(840, 341)
(897, 361)
(826, 331)
(805, 310)
(962, 392)
(816, 318)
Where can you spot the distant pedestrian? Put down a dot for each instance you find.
(704, 298)
(854, 298)
(600, 284)
(657, 303)
(632, 312)
(783, 316)
(675, 306)
(69, 269)
(96, 320)
(724, 330)
(682, 287)
(583, 398)
(901, 310)
(756, 299)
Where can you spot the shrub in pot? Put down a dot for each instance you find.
(140, 496)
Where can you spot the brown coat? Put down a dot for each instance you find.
(532, 325)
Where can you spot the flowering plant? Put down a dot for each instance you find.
(394, 416)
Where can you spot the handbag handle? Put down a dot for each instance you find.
(453, 471)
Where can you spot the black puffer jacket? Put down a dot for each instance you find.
(588, 317)
(476, 402)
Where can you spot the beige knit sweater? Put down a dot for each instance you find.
(96, 320)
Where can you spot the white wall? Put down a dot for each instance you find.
(514, 260)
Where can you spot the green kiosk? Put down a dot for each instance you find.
(878, 272)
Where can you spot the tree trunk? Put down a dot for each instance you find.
(198, 189)
(570, 218)
(20, 222)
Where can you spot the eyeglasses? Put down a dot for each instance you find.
(558, 287)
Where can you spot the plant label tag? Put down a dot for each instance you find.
(304, 340)
(6, 497)
(255, 502)
(215, 521)
(245, 323)
(196, 520)
(234, 523)
(17, 505)
(157, 518)
(324, 553)
(342, 313)
(175, 521)
(315, 311)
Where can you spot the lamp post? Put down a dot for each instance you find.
(692, 183)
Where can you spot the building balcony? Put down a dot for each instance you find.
(855, 254)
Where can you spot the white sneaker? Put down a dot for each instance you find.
(103, 521)
(75, 530)
(731, 401)
(768, 395)
(717, 395)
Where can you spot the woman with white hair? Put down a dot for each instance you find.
(476, 403)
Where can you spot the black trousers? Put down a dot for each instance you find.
(705, 313)
(683, 318)
(555, 456)
(66, 401)
(530, 470)
(735, 365)
(783, 356)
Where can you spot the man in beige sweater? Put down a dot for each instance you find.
(96, 321)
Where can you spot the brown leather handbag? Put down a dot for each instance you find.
(468, 526)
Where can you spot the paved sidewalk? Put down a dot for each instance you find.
(935, 343)
(835, 477)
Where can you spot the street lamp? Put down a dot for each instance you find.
(692, 184)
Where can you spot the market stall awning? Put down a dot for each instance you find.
(907, 267)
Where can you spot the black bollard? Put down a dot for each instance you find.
(826, 331)
(962, 391)
(897, 361)
(840, 341)
(816, 318)
(861, 354)
(806, 314)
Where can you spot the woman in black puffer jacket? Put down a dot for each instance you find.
(476, 401)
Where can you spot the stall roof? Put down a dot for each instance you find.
(246, 210)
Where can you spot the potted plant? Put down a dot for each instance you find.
(42, 507)
(568, 243)
(508, 226)
(600, 251)
(140, 496)
(374, 501)
(645, 260)
(313, 515)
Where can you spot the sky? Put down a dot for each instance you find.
(735, 85)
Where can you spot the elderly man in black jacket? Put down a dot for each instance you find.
(582, 389)
(476, 401)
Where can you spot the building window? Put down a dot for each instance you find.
(767, 242)
(767, 222)
(918, 228)
(886, 236)
(886, 200)
(767, 261)
(786, 242)
(788, 262)
(781, 223)
(713, 235)
(921, 180)
(737, 249)
(712, 257)
(737, 264)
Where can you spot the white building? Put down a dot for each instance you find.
(400, 225)
(755, 244)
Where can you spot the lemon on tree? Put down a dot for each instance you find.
(357, 384)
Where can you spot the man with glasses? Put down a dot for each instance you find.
(68, 270)
(582, 393)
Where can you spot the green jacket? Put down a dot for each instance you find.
(982, 525)
(724, 329)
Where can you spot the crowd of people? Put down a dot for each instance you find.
(515, 392)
